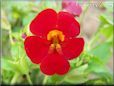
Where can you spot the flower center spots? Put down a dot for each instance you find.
(55, 36)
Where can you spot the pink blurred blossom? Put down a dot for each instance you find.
(24, 35)
(72, 7)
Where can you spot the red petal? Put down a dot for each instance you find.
(36, 48)
(54, 63)
(72, 48)
(68, 25)
(44, 22)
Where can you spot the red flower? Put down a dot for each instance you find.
(54, 42)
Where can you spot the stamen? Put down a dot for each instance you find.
(55, 36)
(51, 48)
(58, 48)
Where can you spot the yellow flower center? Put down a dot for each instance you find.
(55, 36)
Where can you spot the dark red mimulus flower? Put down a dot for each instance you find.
(54, 42)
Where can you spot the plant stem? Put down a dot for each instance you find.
(29, 80)
(10, 36)
(45, 80)
(83, 15)
(14, 79)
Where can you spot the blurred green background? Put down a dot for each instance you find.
(94, 65)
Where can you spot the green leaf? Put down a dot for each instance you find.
(6, 76)
(19, 66)
(23, 65)
(4, 21)
(6, 44)
(27, 19)
(102, 51)
(77, 75)
(109, 5)
(50, 4)
(73, 62)
(96, 65)
(106, 76)
(82, 68)
(10, 65)
(56, 79)
(98, 81)
(107, 30)
(15, 50)
(98, 68)
(76, 79)
(106, 19)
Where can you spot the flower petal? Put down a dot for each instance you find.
(54, 63)
(72, 47)
(44, 22)
(68, 25)
(36, 48)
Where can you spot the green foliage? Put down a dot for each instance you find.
(77, 75)
(99, 50)
(89, 68)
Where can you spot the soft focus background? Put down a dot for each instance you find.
(94, 65)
